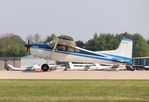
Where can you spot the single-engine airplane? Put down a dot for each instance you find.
(64, 49)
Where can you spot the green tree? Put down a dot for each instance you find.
(11, 45)
(111, 41)
(36, 38)
(140, 48)
(80, 43)
(50, 38)
(148, 41)
(101, 42)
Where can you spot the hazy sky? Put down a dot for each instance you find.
(77, 18)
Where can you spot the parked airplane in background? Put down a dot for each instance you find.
(35, 68)
(91, 67)
(64, 49)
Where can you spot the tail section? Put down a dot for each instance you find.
(124, 49)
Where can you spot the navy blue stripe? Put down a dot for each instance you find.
(90, 53)
(45, 46)
(126, 58)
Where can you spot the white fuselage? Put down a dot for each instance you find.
(66, 51)
(68, 57)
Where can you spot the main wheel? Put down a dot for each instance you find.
(45, 67)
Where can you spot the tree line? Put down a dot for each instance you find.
(112, 41)
(13, 45)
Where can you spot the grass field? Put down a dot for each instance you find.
(74, 91)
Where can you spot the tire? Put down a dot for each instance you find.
(45, 67)
(132, 69)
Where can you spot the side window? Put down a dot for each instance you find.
(70, 49)
(51, 45)
(77, 50)
(61, 47)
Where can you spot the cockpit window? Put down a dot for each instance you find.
(67, 48)
(77, 50)
(61, 47)
(51, 44)
(70, 49)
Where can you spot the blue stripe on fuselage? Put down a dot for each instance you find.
(113, 59)
(125, 58)
(90, 53)
(44, 46)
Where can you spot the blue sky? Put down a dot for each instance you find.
(77, 18)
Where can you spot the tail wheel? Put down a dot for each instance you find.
(45, 67)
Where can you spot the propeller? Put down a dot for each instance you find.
(28, 45)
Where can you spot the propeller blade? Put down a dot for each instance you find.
(28, 45)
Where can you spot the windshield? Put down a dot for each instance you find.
(51, 44)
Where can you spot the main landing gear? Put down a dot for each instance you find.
(45, 67)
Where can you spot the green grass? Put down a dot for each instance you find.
(74, 91)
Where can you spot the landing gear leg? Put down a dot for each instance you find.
(47, 61)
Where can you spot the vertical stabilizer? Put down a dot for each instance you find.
(125, 49)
